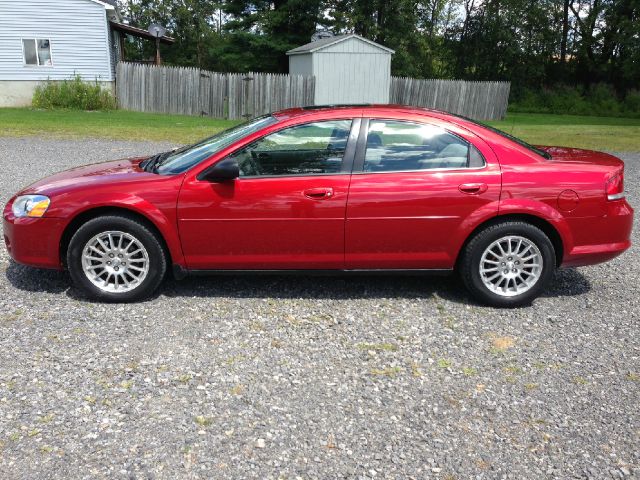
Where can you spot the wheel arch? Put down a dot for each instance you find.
(543, 224)
(87, 215)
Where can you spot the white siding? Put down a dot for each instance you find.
(79, 35)
(350, 71)
(301, 64)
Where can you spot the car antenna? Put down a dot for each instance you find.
(513, 125)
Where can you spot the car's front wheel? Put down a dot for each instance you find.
(116, 259)
(508, 264)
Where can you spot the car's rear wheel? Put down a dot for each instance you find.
(116, 259)
(508, 264)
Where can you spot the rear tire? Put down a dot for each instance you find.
(116, 258)
(508, 264)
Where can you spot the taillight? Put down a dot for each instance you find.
(615, 186)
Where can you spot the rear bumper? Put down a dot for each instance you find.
(607, 236)
(33, 241)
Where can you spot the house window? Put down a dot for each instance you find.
(37, 51)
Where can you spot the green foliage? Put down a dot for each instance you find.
(600, 99)
(73, 94)
(632, 101)
(538, 45)
(231, 35)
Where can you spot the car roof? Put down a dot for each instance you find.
(362, 109)
(357, 108)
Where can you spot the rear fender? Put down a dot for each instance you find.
(523, 206)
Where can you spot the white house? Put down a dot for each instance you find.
(348, 69)
(56, 40)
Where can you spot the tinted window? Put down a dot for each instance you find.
(312, 148)
(400, 146)
(186, 157)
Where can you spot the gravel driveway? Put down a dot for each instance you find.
(286, 377)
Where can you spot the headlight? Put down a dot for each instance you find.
(30, 205)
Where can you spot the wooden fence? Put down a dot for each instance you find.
(478, 100)
(191, 91)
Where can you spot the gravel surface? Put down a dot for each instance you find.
(287, 377)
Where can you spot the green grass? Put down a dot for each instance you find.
(597, 133)
(117, 124)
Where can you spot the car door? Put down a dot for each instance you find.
(285, 211)
(414, 185)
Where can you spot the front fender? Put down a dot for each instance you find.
(161, 214)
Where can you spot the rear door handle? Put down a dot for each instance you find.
(473, 188)
(319, 193)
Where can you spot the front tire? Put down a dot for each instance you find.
(116, 258)
(508, 264)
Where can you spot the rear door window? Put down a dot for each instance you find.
(396, 146)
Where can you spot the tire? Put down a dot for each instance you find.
(133, 252)
(524, 281)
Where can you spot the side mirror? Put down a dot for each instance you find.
(222, 171)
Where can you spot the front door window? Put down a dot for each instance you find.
(316, 148)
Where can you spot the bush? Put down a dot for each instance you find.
(599, 100)
(73, 94)
(631, 104)
(603, 100)
(566, 100)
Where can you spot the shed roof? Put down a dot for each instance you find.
(326, 42)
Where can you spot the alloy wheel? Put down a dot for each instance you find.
(115, 261)
(511, 265)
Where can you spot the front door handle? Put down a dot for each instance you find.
(473, 188)
(319, 193)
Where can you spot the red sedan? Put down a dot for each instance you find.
(343, 188)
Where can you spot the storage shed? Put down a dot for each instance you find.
(347, 68)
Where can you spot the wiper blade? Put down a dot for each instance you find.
(144, 165)
(161, 158)
(151, 163)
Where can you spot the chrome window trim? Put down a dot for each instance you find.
(425, 170)
(295, 175)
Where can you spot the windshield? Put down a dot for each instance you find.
(190, 155)
(508, 136)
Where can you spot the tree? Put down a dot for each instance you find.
(270, 28)
(533, 43)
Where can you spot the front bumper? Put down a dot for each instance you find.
(606, 237)
(33, 241)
